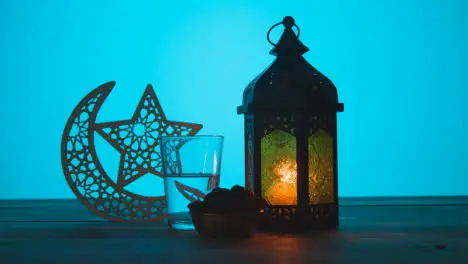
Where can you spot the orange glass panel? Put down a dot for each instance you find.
(279, 168)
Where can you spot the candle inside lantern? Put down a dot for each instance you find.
(284, 189)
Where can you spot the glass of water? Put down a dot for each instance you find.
(191, 169)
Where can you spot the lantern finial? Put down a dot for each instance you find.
(288, 22)
(289, 43)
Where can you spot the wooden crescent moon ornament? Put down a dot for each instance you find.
(139, 155)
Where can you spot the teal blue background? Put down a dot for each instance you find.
(400, 67)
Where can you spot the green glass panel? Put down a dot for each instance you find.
(321, 181)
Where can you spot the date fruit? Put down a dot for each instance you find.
(229, 201)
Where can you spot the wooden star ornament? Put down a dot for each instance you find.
(137, 139)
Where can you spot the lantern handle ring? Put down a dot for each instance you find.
(288, 23)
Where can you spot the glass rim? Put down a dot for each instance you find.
(194, 136)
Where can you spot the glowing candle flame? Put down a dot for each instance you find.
(287, 172)
(284, 191)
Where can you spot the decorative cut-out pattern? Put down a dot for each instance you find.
(283, 213)
(279, 122)
(321, 185)
(172, 163)
(284, 217)
(85, 174)
(137, 139)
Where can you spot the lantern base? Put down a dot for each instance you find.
(283, 218)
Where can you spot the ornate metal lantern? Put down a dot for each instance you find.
(290, 113)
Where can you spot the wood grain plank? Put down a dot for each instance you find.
(63, 231)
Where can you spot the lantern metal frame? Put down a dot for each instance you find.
(293, 96)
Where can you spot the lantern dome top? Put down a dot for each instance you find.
(290, 83)
(289, 43)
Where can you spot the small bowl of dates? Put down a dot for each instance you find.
(231, 212)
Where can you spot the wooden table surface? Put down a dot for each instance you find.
(429, 230)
